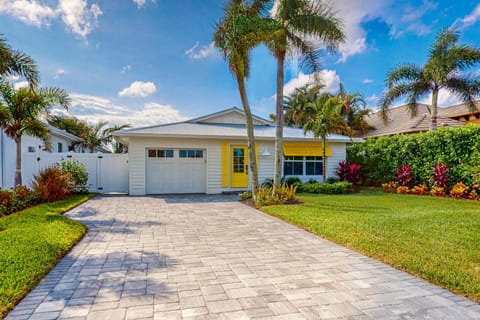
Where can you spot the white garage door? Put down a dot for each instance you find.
(176, 171)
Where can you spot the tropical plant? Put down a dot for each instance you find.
(327, 120)
(459, 190)
(301, 28)
(71, 125)
(78, 172)
(444, 70)
(404, 176)
(440, 176)
(354, 110)
(14, 62)
(239, 31)
(117, 146)
(20, 113)
(295, 105)
(53, 184)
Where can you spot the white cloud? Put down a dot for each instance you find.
(413, 14)
(141, 3)
(468, 20)
(20, 84)
(59, 73)
(126, 68)
(196, 52)
(94, 109)
(329, 78)
(139, 89)
(366, 81)
(76, 15)
(28, 11)
(445, 99)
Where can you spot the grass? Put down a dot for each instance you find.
(437, 239)
(32, 241)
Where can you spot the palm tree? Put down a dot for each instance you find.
(71, 125)
(299, 24)
(20, 113)
(328, 119)
(117, 146)
(444, 69)
(94, 137)
(239, 31)
(295, 105)
(14, 62)
(354, 110)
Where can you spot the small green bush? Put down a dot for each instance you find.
(284, 194)
(291, 180)
(78, 172)
(332, 180)
(245, 195)
(328, 188)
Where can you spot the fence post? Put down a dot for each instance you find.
(99, 171)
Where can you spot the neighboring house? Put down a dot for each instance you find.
(209, 154)
(60, 141)
(400, 121)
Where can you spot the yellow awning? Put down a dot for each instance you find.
(305, 149)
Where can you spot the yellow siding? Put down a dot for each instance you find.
(224, 164)
(305, 149)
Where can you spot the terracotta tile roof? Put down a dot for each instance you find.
(401, 121)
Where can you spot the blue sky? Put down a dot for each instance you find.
(146, 62)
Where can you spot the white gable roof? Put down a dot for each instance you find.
(230, 116)
(208, 127)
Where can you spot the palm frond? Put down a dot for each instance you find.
(403, 73)
(466, 89)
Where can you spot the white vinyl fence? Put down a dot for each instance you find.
(107, 172)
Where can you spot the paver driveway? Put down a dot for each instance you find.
(203, 257)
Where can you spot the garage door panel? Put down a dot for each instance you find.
(175, 175)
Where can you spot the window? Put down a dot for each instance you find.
(293, 166)
(160, 153)
(314, 166)
(299, 166)
(31, 149)
(59, 147)
(190, 153)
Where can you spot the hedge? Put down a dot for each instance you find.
(459, 148)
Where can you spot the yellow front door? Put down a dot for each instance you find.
(239, 166)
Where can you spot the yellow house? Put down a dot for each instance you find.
(209, 154)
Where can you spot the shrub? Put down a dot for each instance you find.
(343, 170)
(267, 183)
(420, 190)
(291, 180)
(326, 188)
(457, 148)
(16, 199)
(329, 180)
(298, 186)
(349, 172)
(404, 176)
(52, 184)
(440, 176)
(245, 195)
(403, 190)
(78, 172)
(390, 187)
(459, 190)
(284, 194)
(437, 191)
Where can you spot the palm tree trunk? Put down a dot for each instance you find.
(324, 159)
(434, 124)
(252, 159)
(18, 162)
(279, 122)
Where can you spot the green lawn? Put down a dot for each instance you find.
(32, 241)
(437, 239)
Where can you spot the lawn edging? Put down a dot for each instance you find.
(33, 241)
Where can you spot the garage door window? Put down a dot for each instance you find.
(190, 153)
(160, 153)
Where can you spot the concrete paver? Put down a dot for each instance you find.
(211, 257)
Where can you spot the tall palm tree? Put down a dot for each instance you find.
(444, 69)
(20, 113)
(300, 23)
(94, 137)
(239, 31)
(14, 62)
(71, 125)
(328, 119)
(354, 110)
(117, 146)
